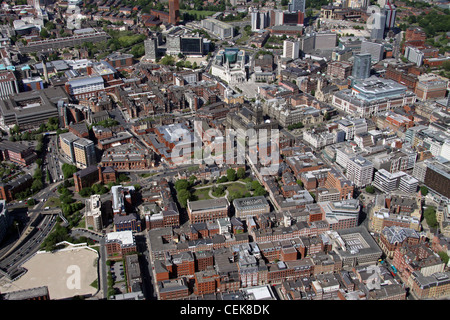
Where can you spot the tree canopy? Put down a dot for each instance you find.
(430, 217)
(423, 190)
(182, 184)
(68, 170)
(241, 173)
(231, 174)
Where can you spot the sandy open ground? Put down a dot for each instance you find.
(65, 273)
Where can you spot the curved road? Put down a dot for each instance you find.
(11, 264)
(16, 253)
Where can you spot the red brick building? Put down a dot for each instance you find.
(339, 69)
(393, 238)
(173, 17)
(204, 210)
(120, 60)
(118, 244)
(435, 286)
(162, 271)
(303, 163)
(403, 75)
(203, 260)
(9, 190)
(17, 153)
(431, 87)
(282, 250)
(38, 293)
(173, 289)
(415, 34)
(92, 175)
(174, 12)
(206, 282)
(182, 264)
(293, 270)
(336, 180)
(419, 257)
(119, 138)
(399, 121)
(79, 129)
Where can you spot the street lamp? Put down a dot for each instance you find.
(16, 224)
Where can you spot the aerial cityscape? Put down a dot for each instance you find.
(245, 150)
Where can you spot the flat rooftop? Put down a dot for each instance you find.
(86, 81)
(124, 237)
(253, 202)
(377, 85)
(361, 161)
(33, 102)
(209, 204)
(118, 137)
(26, 294)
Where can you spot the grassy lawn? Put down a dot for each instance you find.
(94, 284)
(193, 168)
(202, 194)
(232, 187)
(243, 39)
(148, 174)
(53, 202)
(82, 223)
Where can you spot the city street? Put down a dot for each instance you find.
(35, 227)
(149, 283)
(51, 160)
(13, 260)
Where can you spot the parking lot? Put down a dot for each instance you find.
(117, 271)
(118, 275)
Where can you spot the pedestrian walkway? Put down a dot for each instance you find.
(216, 185)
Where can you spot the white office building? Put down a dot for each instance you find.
(93, 213)
(408, 184)
(352, 127)
(445, 150)
(85, 87)
(414, 55)
(218, 28)
(388, 182)
(259, 20)
(291, 49)
(8, 84)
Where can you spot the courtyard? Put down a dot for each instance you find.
(232, 187)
